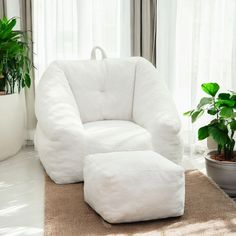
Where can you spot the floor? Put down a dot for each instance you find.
(22, 192)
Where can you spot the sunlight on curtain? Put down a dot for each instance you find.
(205, 42)
(198, 44)
(13, 10)
(70, 29)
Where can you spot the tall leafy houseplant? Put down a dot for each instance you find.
(15, 64)
(222, 127)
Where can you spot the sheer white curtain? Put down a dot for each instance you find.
(69, 29)
(199, 46)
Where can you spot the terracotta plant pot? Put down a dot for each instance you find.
(223, 173)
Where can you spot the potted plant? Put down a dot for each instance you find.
(15, 66)
(220, 163)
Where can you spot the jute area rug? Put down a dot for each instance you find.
(208, 211)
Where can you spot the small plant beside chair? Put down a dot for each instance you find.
(15, 63)
(15, 66)
(220, 164)
(223, 125)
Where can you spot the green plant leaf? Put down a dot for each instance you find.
(197, 114)
(233, 125)
(203, 132)
(27, 80)
(14, 60)
(204, 101)
(228, 103)
(233, 98)
(224, 96)
(226, 112)
(214, 121)
(221, 137)
(11, 23)
(188, 113)
(212, 111)
(222, 125)
(22, 83)
(210, 88)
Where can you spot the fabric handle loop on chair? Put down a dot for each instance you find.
(93, 53)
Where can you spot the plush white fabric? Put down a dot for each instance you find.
(60, 138)
(75, 96)
(116, 135)
(154, 109)
(98, 87)
(133, 186)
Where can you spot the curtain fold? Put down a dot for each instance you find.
(2, 8)
(144, 27)
(26, 25)
(66, 30)
(196, 44)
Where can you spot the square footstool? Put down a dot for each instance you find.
(133, 186)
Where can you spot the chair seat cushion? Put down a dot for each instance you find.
(133, 186)
(116, 135)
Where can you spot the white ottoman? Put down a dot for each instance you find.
(133, 186)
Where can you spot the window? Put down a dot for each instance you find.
(70, 29)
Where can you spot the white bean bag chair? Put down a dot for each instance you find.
(87, 107)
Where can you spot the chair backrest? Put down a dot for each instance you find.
(103, 89)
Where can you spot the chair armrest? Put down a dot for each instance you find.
(155, 110)
(166, 138)
(55, 105)
(60, 133)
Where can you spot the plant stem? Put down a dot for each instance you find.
(219, 149)
(214, 104)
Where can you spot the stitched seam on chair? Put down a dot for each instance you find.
(104, 87)
(62, 68)
(68, 81)
(135, 73)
